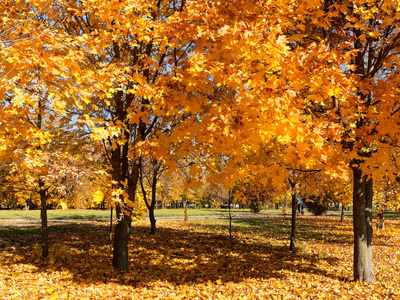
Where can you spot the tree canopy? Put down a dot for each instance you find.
(256, 90)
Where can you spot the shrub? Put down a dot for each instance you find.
(317, 205)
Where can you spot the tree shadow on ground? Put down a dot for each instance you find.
(180, 255)
(323, 230)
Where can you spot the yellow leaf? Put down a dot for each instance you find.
(54, 296)
(374, 34)
(19, 98)
(98, 196)
(63, 205)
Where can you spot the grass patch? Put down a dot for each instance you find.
(178, 212)
(88, 214)
(92, 214)
(55, 214)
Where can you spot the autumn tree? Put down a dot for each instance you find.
(131, 59)
(323, 192)
(206, 68)
(364, 32)
(254, 194)
(272, 87)
(32, 90)
(171, 185)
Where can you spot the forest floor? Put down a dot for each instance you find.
(198, 260)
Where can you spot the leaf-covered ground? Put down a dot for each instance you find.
(197, 260)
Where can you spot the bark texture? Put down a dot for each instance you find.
(362, 226)
(380, 219)
(152, 221)
(43, 216)
(121, 238)
(152, 203)
(342, 214)
(293, 232)
(185, 213)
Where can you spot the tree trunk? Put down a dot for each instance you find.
(43, 216)
(185, 212)
(369, 195)
(342, 214)
(111, 226)
(153, 199)
(285, 207)
(230, 214)
(362, 226)
(123, 227)
(121, 237)
(380, 218)
(150, 205)
(152, 220)
(293, 232)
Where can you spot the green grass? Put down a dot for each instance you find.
(89, 214)
(390, 215)
(100, 214)
(178, 212)
(55, 214)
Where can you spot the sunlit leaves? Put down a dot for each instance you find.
(197, 260)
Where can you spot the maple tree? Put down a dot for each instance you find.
(129, 69)
(31, 89)
(137, 77)
(385, 197)
(321, 192)
(366, 32)
(171, 186)
(255, 194)
(228, 120)
(264, 90)
(123, 83)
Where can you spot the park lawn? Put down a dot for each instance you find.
(88, 214)
(178, 212)
(56, 214)
(197, 260)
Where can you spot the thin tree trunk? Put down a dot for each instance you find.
(42, 193)
(150, 206)
(293, 231)
(369, 194)
(153, 200)
(111, 227)
(152, 221)
(230, 214)
(185, 212)
(285, 207)
(43, 215)
(342, 214)
(362, 226)
(380, 220)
